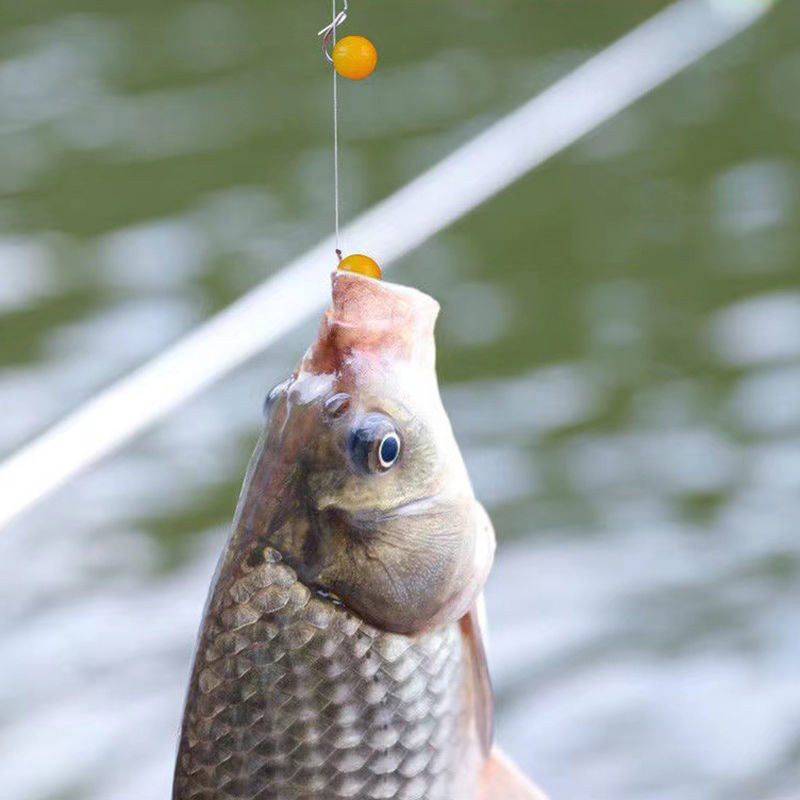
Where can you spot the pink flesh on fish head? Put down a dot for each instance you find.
(374, 318)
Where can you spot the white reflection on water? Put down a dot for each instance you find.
(154, 256)
(122, 336)
(765, 328)
(670, 460)
(752, 197)
(28, 273)
(753, 207)
(768, 401)
(777, 465)
(544, 400)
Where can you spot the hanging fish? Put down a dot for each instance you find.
(340, 654)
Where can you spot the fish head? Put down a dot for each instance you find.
(358, 481)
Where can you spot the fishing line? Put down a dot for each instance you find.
(329, 33)
(336, 136)
(354, 58)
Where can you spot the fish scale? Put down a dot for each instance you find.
(293, 697)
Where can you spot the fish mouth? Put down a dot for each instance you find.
(358, 301)
(373, 318)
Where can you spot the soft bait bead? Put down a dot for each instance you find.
(362, 265)
(354, 57)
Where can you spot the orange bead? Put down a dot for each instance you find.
(354, 57)
(362, 265)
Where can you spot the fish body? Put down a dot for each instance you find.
(296, 697)
(340, 654)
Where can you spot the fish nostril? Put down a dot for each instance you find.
(272, 396)
(337, 405)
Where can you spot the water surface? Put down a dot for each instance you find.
(619, 352)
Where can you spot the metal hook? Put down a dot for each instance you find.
(328, 30)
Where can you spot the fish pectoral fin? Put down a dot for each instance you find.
(499, 779)
(481, 685)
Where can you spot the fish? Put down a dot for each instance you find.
(341, 651)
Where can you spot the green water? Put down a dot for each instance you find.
(619, 350)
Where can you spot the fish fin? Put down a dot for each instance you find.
(483, 697)
(499, 779)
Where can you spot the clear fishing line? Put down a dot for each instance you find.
(336, 139)
(329, 32)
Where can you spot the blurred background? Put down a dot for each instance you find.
(619, 353)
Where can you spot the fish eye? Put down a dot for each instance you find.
(389, 450)
(375, 444)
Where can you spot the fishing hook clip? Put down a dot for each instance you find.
(328, 30)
